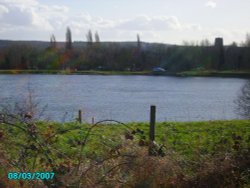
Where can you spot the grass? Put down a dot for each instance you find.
(193, 153)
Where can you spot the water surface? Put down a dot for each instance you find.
(127, 98)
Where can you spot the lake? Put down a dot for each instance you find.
(126, 98)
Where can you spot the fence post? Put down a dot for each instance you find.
(80, 116)
(152, 123)
(152, 130)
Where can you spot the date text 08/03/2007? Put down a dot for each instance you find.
(31, 175)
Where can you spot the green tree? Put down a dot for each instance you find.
(89, 38)
(68, 44)
(138, 42)
(18, 56)
(53, 41)
(97, 38)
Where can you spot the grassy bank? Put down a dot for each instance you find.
(232, 74)
(90, 72)
(186, 154)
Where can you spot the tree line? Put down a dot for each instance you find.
(136, 56)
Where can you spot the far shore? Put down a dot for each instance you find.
(194, 73)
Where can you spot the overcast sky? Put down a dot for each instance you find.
(168, 21)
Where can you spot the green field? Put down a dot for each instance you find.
(186, 154)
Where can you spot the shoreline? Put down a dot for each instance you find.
(226, 74)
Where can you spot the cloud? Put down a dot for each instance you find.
(144, 22)
(61, 9)
(156, 23)
(211, 4)
(33, 20)
(21, 4)
(3, 10)
(228, 35)
(18, 17)
(29, 14)
(151, 28)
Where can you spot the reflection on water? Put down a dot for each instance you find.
(127, 98)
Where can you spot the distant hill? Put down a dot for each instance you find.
(80, 44)
(39, 44)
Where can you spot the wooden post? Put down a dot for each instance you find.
(93, 120)
(152, 123)
(80, 116)
(152, 131)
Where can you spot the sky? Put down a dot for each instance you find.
(165, 21)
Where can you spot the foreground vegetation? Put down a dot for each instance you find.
(188, 154)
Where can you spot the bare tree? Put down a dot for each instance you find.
(205, 42)
(25, 106)
(247, 42)
(243, 101)
(190, 43)
(234, 44)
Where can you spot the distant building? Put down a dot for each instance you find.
(219, 51)
(218, 42)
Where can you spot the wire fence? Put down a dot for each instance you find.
(193, 136)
